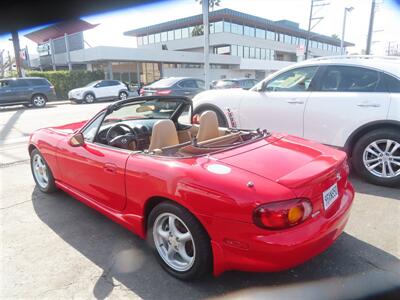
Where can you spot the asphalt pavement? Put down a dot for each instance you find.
(54, 247)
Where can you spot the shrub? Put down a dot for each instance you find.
(64, 81)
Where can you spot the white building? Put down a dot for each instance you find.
(241, 45)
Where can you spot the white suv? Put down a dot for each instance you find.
(351, 102)
(99, 90)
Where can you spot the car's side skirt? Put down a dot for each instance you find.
(132, 222)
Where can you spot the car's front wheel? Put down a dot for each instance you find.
(38, 101)
(41, 173)
(376, 157)
(123, 96)
(89, 98)
(181, 244)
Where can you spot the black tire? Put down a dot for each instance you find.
(222, 122)
(89, 98)
(51, 186)
(203, 255)
(358, 152)
(38, 101)
(123, 96)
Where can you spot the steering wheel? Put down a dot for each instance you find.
(116, 131)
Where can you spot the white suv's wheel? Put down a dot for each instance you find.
(89, 98)
(123, 96)
(376, 157)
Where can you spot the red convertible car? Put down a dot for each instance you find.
(208, 199)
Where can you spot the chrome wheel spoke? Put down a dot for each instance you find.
(395, 148)
(372, 160)
(376, 147)
(184, 237)
(369, 150)
(388, 145)
(164, 234)
(172, 226)
(390, 169)
(374, 166)
(182, 253)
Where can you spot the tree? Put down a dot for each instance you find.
(212, 3)
(198, 30)
(5, 64)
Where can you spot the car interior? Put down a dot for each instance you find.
(168, 138)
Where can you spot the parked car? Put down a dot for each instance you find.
(205, 203)
(99, 90)
(174, 86)
(243, 83)
(29, 91)
(351, 102)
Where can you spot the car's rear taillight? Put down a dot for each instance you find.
(282, 214)
(163, 92)
(196, 119)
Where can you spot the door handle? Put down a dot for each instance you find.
(368, 105)
(295, 101)
(110, 168)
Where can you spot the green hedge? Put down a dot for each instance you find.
(65, 81)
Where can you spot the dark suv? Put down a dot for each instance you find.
(29, 91)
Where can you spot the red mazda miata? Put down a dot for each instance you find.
(206, 198)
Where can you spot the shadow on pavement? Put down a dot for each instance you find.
(8, 126)
(350, 267)
(364, 187)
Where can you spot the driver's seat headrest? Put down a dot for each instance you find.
(163, 135)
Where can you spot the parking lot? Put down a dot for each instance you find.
(56, 247)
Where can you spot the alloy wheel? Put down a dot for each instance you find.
(39, 101)
(174, 242)
(123, 96)
(89, 98)
(40, 171)
(382, 158)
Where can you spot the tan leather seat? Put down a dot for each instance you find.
(164, 134)
(208, 127)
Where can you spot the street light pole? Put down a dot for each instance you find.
(205, 5)
(346, 9)
(370, 28)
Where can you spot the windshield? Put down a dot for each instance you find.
(93, 83)
(152, 109)
(164, 83)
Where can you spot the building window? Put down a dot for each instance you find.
(236, 28)
(164, 36)
(295, 40)
(260, 33)
(157, 37)
(170, 35)
(178, 34)
(302, 42)
(225, 50)
(218, 26)
(249, 31)
(263, 54)
(314, 44)
(252, 52)
(246, 52)
(185, 32)
(234, 50)
(288, 39)
(272, 54)
(227, 26)
(270, 35)
(145, 40)
(258, 53)
(140, 40)
(151, 39)
(240, 51)
(211, 27)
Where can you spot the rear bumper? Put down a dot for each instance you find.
(51, 97)
(245, 247)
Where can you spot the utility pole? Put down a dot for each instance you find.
(205, 5)
(346, 9)
(314, 3)
(370, 28)
(15, 40)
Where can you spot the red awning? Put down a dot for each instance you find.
(58, 30)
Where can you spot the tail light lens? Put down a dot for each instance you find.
(196, 119)
(163, 92)
(282, 214)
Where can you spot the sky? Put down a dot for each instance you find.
(111, 26)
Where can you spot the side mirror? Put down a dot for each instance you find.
(77, 140)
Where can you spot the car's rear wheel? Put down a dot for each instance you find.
(180, 243)
(376, 157)
(41, 173)
(123, 96)
(38, 100)
(89, 98)
(222, 122)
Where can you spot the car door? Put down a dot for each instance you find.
(101, 89)
(279, 105)
(95, 170)
(5, 92)
(347, 97)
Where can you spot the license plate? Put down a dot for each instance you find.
(330, 195)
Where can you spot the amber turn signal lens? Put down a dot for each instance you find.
(295, 214)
